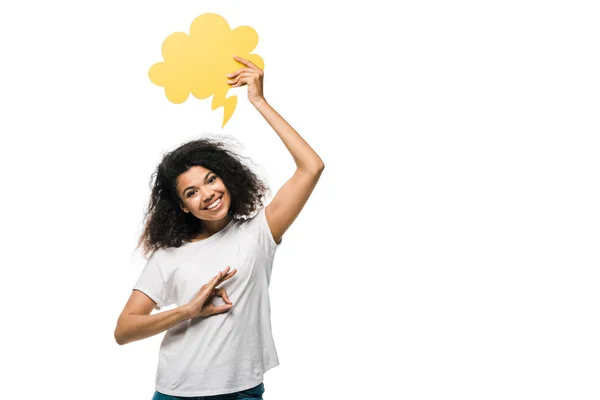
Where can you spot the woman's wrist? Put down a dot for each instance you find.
(260, 102)
(185, 312)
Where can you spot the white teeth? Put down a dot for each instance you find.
(213, 205)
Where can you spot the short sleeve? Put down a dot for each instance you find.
(260, 231)
(152, 283)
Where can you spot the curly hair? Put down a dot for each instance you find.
(165, 224)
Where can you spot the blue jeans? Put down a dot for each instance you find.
(249, 394)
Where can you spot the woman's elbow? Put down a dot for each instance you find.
(321, 166)
(120, 336)
(317, 167)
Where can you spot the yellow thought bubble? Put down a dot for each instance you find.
(198, 63)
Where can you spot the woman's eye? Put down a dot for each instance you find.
(212, 179)
(191, 192)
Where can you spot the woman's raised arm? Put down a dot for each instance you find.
(293, 195)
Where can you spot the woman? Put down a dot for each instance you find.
(211, 241)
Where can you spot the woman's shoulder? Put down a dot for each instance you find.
(161, 255)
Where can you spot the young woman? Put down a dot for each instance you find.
(211, 244)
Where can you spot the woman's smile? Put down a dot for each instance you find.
(215, 205)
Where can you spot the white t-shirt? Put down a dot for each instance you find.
(222, 353)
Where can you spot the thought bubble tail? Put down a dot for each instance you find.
(228, 105)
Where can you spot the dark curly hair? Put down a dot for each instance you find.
(165, 224)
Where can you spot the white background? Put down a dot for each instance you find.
(450, 250)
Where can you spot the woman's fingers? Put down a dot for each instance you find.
(215, 281)
(201, 306)
(242, 79)
(239, 71)
(229, 275)
(235, 81)
(223, 294)
(212, 309)
(247, 63)
(220, 275)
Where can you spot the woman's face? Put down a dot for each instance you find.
(203, 194)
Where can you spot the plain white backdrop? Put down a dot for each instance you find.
(450, 250)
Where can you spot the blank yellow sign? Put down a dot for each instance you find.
(199, 63)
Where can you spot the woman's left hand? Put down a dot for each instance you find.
(252, 76)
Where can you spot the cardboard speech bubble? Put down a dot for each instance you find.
(198, 63)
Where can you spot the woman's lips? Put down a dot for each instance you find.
(219, 200)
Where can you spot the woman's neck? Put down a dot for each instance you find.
(209, 228)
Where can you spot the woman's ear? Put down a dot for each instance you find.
(184, 208)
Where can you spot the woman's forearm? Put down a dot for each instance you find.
(304, 156)
(132, 327)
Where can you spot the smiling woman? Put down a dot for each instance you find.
(205, 196)
(189, 179)
(206, 225)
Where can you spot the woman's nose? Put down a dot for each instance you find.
(207, 195)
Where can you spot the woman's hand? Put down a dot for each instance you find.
(252, 76)
(201, 306)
